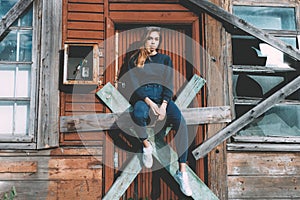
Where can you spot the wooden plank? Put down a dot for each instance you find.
(13, 14)
(143, 1)
(85, 34)
(108, 121)
(18, 167)
(264, 187)
(93, 26)
(48, 65)
(84, 136)
(161, 17)
(226, 17)
(146, 7)
(85, 1)
(90, 17)
(263, 147)
(84, 107)
(246, 119)
(291, 139)
(190, 91)
(169, 159)
(263, 164)
(90, 8)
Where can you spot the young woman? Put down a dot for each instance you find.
(150, 75)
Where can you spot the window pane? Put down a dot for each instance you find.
(25, 53)
(250, 51)
(267, 17)
(21, 119)
(80, 63)
(254, 85)
(281, 120)
(7, 78)
(26, 19)
(6, 118)
(23, 83)
(8, 47)
(5, 6)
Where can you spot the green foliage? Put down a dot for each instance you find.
(10, 195)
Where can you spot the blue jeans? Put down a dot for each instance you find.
(174, 118)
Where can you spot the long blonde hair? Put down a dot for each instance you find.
(142, 52)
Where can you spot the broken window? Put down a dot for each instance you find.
(260, 70)
(81, 64)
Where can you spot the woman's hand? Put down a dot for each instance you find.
(162, 111)
(153, 106)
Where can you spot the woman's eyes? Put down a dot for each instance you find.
(150, 38)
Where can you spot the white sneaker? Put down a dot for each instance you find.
(147, 156)
(183, 180)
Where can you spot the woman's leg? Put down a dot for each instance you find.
(140, 117)
(175, 118)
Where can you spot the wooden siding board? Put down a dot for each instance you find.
(91, 17)
(158, 17)
(255, 187)
(92, 26)
(146, 7)
(263, 164)
(85, 34)
(89, 8)
(18, 167)
(85, 1)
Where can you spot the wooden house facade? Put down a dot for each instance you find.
(237, 81)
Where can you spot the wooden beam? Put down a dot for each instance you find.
(227, 18)
(246, 119)
(109, 121)
(13, 14)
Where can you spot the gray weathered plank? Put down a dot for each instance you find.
(13, 14)
(246, 119)
(108, 121)
(168, 158)
(226, 17)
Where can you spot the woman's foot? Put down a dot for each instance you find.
(182, 178)
(147, 154)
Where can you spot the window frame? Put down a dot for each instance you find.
(44, 102)
(265, 143)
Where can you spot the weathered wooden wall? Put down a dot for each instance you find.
(263, 175)
(63, 173)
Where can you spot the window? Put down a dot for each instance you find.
(16, 76)
(29, 70)
(260, 70)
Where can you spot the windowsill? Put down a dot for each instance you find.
(256, 143)
(260, 69)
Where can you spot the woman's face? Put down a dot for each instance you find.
(152, 42)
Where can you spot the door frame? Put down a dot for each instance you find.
(112, 20)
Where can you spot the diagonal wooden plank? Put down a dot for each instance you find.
(13, 14)
(226, 17)
(123, 182)
(246, 119)
(168, 158)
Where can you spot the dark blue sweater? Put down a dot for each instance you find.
(158, 69)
